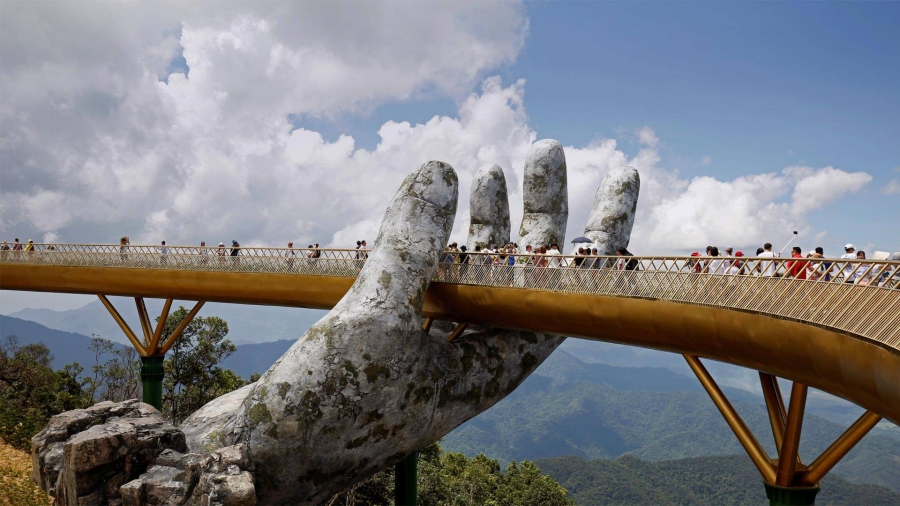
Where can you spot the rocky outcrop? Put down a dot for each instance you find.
(488, 209)
(126, 454)
(83, 456)
(222, 478)
(545, 194)
(612, 215)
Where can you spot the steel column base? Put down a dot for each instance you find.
(406, 477)
(152, 379)
(791, 496)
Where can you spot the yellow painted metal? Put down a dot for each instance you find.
(774, 405)
(160, 324)
(834, 453)
(756, 452)
(457, 331)
(862, 370)
(123, 325)
(180, 328)
(788, 452)
(145, 321)
(426, 325)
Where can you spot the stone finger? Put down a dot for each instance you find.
(489, 209)
(545, 195)
(612, 215)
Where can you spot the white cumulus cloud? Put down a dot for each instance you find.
(99, 138)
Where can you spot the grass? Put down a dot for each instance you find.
(16, 487)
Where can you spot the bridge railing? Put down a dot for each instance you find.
(856, 296)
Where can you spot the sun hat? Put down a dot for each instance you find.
(848, 246)
(695, 254)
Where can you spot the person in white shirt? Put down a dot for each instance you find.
(554, 250)
(163, 252)
(768, 262)
(849, 255)
(716, 265)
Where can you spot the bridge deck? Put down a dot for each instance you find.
(839, 337)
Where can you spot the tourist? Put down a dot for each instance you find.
(235, 252)
(694, 263)
(463, 262)
(794, 268)
(715, 265)
(815, 271)
(204, 253)
(123, 248)
(163, 252)
(291, 253)
(862, 273)
(364, 250)
(17, 246)
(629, 264)
(849, 255)
(29, 248)
(554, 256)
(736, 267)
(5, 246)
(768, 264)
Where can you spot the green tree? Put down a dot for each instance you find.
(117, 378)
(31, 391)
(192, 374)
(452, 479)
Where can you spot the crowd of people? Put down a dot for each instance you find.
(813, 265)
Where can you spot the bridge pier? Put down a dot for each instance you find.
(406, 481)
(787, 479)
(153, 347)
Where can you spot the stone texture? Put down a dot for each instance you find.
(488, 209)
(222, 478)
(612, 215)
(84, 456)
(545, 196)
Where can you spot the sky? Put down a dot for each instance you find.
(274, 121)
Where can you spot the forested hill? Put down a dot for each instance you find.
(726, 480)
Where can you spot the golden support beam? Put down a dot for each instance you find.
(457, 332)
(124, 326)
(426, 325)
(748, 441)
(178, 330)
(145, 320)
(774, 405)
(787, 453)
(831, 456)
(160, 324)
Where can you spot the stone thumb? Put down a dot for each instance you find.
(414, 231)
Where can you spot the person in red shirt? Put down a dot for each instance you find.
(796, 268)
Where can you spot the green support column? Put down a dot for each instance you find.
(791, 496)
(406, 477)
(152, 378)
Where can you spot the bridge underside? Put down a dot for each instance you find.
(864, 372)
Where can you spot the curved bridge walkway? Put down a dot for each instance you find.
(838, 329)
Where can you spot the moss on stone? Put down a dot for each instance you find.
(259, 413)
(375, 371)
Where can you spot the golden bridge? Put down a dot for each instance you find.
(838, 330)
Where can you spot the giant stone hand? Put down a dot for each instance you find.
(366, 386)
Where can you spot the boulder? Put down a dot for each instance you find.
(83, 456)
